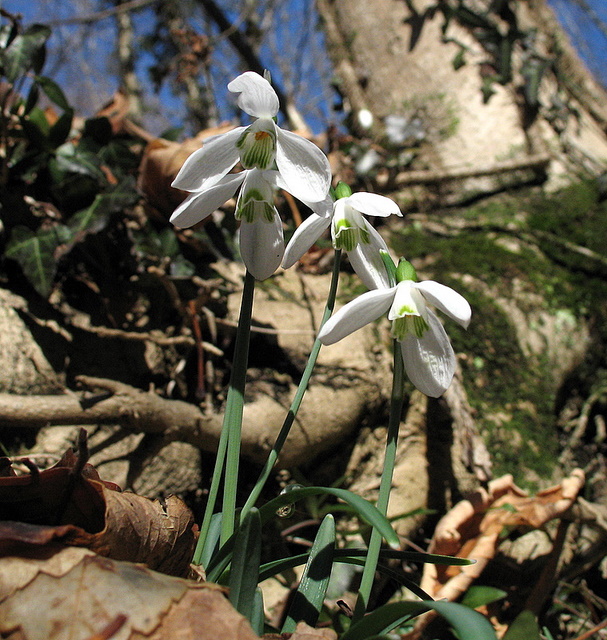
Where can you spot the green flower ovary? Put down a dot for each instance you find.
(409, 322)
(347, 236)
(257, 149)
(253, 205)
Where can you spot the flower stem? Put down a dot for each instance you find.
(299, 394)
(232, 420)
(232, 423)
(396, 405)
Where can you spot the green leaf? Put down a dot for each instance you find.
(355, 556)
(61, 129)
(523, 627)
(363, 508)
(25, 52)
(94, 218)
(245, 565)
(258, 616)
(35, 252)
(53, 92)
(32, 99)
(310, 595)
(99, 129)
(479, 595)
(69, 159)
(211, 541)
(468, 624)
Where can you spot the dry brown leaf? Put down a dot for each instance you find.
(68, 504)
(303, 631)
(160, 163)
(472, 529)
(77, 594)
(306, 632)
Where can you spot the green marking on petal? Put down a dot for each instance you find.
(257, 149)
(407, 324)
(346, 239)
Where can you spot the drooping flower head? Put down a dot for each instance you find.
(271, 158)
(350, 231)
(427, 353)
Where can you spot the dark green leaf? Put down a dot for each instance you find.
(524, 627)
(35, 252)
(7, 33)
(32, 99)
(71, 160)
(94, 218)
(245, 564)
(61, 129)
(99, 129)
(173, 134)
(479, 595)
(468, 624)
(53, 92)
(310, 595)
(25, 52)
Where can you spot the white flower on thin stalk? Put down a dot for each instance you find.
(350, 231)
(271, 158)
(427, 353)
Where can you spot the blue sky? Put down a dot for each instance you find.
(585, 35)
(95, 85)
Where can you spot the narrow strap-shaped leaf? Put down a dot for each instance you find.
(363, 507)
(355, 556)
(257, 617)
(468, 624)
(245, 565)
(211, 541)
(310, 595)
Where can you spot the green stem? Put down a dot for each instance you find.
(212, 498)
(301, 390)
(234, 404)
(232, 420)
(396, 406)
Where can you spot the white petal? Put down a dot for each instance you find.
(209, 164)
(262, 246)
(372, 204)
(303, 166)
(447, 300)
(429, 360)
(367, 262)
(200, 204)
(257, 98)
(356, 314)
(304, 237)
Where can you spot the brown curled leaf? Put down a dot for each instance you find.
(77, 594)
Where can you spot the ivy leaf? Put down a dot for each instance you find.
(61, 129)
(53, 92)
(25, 52)
(36, 253)
(95, 218)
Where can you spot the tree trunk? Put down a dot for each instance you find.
(480, 99)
